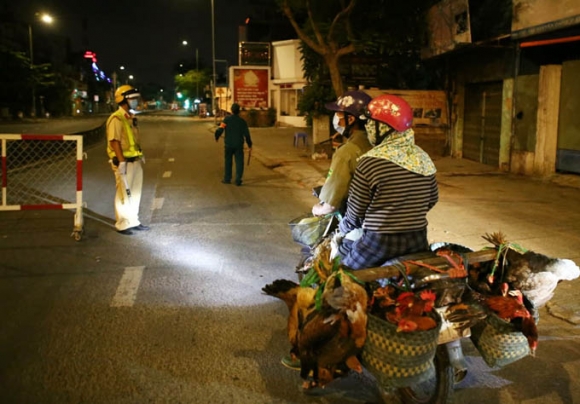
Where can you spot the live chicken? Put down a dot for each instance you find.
(300, 302)
(536, 275)
(335, 334)
(509, 306)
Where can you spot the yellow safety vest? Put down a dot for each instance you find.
(133, 150)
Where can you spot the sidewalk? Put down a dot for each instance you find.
(539, 214)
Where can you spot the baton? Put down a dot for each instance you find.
(127, 189)
(249, 155)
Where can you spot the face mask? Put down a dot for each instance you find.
(335, 124)
(133, 103)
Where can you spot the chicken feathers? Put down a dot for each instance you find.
(536, 275)
(300, 303)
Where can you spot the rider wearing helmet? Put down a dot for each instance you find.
(393, 188)
(348, 121)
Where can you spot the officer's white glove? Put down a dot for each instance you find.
(122, 168)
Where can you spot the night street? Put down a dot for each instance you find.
(194, 326)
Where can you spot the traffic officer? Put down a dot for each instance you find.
(126, 156)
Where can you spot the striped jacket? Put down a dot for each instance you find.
(386, 198)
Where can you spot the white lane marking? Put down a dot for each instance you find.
(128, 287)
(167, 174)
(171, 160)
(157, 203)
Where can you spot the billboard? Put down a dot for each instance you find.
(251, 86)
(254, 53)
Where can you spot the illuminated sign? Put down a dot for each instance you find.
(90, 55)
(251, 86)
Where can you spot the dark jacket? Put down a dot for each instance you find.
(236, 131)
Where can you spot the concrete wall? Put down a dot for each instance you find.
(286, 74)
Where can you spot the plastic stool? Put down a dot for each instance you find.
(298, 136)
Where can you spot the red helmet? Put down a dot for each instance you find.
(392, 110)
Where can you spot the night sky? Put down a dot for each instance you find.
(145, 36)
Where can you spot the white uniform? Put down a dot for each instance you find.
(126, 208)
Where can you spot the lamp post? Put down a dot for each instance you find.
(46, 18)
(33, 107)
(185, 43)
(213, 60)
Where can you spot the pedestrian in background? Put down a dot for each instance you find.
(125, 155)
(236, 132)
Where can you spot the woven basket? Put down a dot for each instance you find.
(399, 359)
(498, 341)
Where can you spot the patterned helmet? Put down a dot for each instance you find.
(351, 102)
(392, 110)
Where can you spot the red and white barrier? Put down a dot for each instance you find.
(40, 172)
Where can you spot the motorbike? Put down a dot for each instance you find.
(448, 361)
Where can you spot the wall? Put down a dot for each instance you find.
(526, 112)
(287, 76)
(534, 16)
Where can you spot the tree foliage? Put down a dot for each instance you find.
(18, 77)
(192, 80)
(385, 34)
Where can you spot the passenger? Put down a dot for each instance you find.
(393, 188)
(348, 121)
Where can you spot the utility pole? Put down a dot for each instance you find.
(213, 62)
(33, 107)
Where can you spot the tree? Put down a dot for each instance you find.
(191, 83)
(330, 37)
(385, 52)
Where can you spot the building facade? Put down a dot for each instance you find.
(514, 82)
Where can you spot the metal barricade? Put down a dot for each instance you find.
(43, 172)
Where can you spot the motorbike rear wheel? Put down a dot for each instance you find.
(438, 390)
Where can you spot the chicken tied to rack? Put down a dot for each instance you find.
(534, 274)
(327, 338)
(514, 285)
(406, 309)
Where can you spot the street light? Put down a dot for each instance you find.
(47, 19)
(185, 43)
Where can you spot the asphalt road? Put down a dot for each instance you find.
(175, 315)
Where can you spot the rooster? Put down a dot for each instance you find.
(333, 337)
(410, 311)
(536, 275)
(300, 303)
(509, 306)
